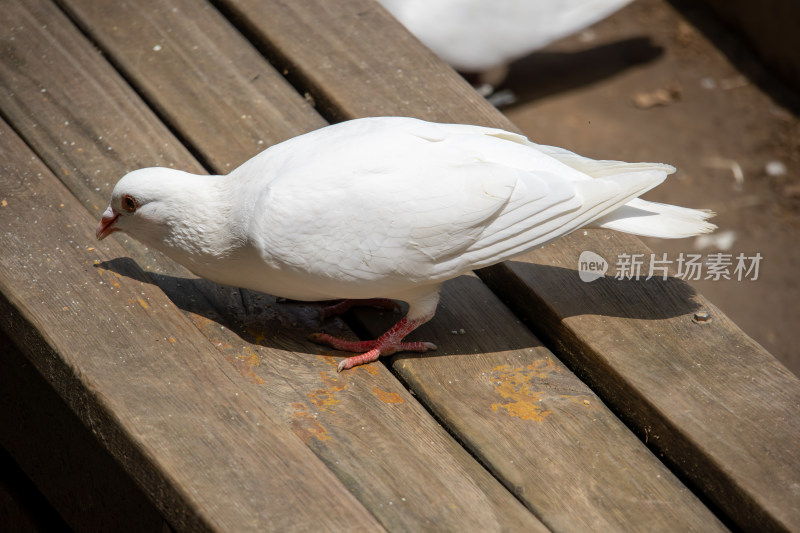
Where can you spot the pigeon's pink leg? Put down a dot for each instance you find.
(342, 307)
(341, 344)
(387, 344)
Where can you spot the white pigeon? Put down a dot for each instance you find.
(484, 36)
(385, 207)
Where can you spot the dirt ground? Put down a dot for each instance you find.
(659, 83)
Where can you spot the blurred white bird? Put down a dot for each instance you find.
(385, 207)
(484, 36)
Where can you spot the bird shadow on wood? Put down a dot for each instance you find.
(255, 317)
(259, 319)
(560, 295)
(561, 292)
(542, 74)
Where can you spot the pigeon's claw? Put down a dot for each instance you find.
(341, 344)
(387, 344)
(374, 353)
(356, 360)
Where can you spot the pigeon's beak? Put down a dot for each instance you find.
(106, 226)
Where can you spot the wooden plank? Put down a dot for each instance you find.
(535, 424)
(580, 502)
(377, 438)
(175, 414)
(714, 403)
(186, 53)
(360, 66)
(78, 477)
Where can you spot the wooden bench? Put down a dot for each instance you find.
(139, 396)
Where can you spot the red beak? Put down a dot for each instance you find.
(106, 226)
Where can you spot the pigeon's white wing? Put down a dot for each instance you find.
(398, 199)
(398, 225)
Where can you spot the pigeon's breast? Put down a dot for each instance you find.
(254, 270)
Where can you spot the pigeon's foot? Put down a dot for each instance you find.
(372, 350)
(387, 344)
(340, 308)
(502, 98)
(373, 354)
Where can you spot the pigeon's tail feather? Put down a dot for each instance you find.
(591, 199)
(604, 195)
(652, 219)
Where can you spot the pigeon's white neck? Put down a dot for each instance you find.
(200, 224)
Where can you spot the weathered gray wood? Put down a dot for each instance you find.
(89, 129)
(377, 438)
(218, 86)
(355, 60)
(153, 390)
(361, 65)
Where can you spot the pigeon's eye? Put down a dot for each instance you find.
(128, 203)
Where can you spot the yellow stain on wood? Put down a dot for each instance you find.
(387, 397)
(245, 362)
(328, 360)
(325, 396)
(257, 334)
(514, 384)
(249, 357)
(369, 368)
(582, 399)
(201, 321)
(305, 425)
(142, 303)
(102, 272)
(4, 202)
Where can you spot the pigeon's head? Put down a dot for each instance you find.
(144, 202)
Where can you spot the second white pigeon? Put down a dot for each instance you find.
(484, 36)
(385, 207)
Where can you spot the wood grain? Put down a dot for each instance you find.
(714, 403)
(535, 425)
(77, 476)
(366, 427)
(362, 65)
(185, 53)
